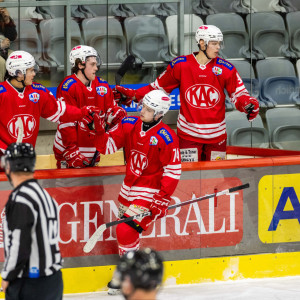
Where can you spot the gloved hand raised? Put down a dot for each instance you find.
(159, 207)
(74, 158)
(124, 95)
(114, 116)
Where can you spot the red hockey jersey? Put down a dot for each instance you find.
(153, 159)
(202, 98)
(34, 102)
(74, 92)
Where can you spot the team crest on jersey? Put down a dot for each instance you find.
(34, 97)
(153, 141)
(177, 60)
(138, 162)
(29, 125)
(202, 96)
(164, 133)
(225, 63)
(67, 84)
(216, 70)
(101, 90)
(2, 89)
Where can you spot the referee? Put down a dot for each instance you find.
(32, 258)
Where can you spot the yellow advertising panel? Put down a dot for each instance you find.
(279, 208)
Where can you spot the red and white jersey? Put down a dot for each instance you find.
(34, 102)
(74, 92)
(153, 159)
(202, 98)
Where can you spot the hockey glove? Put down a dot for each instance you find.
(99, 123)
(159, 207)
(114, 116)
(74, 158)
(124, 95)
(87, 116)
(249, 106)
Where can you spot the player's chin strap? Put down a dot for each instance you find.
(82, 71)
(204, 51)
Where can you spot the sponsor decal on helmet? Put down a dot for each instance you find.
(216, 70)
(16, 56)
(167, 137)
(101, 90)
(34, 97)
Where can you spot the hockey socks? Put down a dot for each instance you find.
(128, 238)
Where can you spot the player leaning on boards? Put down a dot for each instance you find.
(153, 166)
(74, 145)
(140, 274)
(22, 98)
(32, 263)
(202, 77)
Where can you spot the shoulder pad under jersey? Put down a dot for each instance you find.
(67, 84)
(224, 63)
(38, 86)
(2, 89)
(166, 135)
(131, 120)
(177, 60)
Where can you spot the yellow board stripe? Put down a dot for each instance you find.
(93, 279)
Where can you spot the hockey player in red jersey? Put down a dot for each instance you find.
(74, 145)
(202, 78)
(153, 166)
(24, 100)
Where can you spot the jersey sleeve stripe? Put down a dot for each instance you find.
(61, 108)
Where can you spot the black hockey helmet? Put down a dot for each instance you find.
(144, 267)
(20, 157)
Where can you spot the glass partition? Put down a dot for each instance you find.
(261, 40)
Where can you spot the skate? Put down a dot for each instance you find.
(114, 287)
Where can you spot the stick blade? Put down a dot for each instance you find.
(20, 130)
(90, 244)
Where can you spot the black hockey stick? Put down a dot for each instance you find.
(126, 65)
(90, 244)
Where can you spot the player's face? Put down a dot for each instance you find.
(147, 114)
(213, 49)
(30, 74)
(91, 68)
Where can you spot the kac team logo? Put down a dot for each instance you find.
(203, 96)
(138, 162)
(29, 125)
(34, 97)
(279, 208)
(101, 90)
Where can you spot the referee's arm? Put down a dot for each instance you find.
(18, 241)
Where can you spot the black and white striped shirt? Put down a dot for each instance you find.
(31, 232)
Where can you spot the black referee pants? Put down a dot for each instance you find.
(43, 288)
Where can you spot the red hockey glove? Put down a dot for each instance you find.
(114, 116)
(74, 158)
(159, 207)
(99, 123)
(124, 95)
(87, 116)
(249, 106)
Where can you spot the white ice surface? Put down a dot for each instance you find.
(284, 288)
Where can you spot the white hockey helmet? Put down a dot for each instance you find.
(20, 61)
(157, 100)
(209, 33)
(83, 52)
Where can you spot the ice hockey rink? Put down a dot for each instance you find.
(284, 288)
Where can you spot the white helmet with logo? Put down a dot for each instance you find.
(83, 52)
(209, 33)
(19, 61)
(159, 101)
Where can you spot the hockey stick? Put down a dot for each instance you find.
(90, 244)
(126, 65)
(20, 130)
